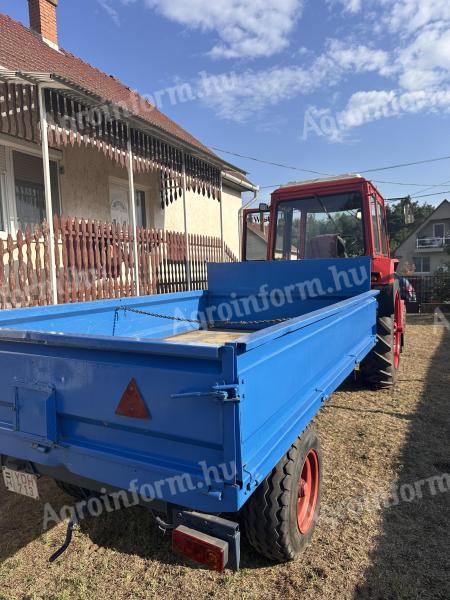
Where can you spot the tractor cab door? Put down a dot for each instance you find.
(256, 233)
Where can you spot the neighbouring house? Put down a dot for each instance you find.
(77, 142)
(427, 250)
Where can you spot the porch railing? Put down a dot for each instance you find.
(95, 261)
(432, 242)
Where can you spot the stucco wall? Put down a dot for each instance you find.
(86, 180)
(85, 193)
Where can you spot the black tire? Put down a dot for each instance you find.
(270, 515)
(378, 369)
(74, 491)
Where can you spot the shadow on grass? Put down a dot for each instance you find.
(21, 519)
(411, 559)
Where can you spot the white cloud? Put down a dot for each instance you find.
(245, 29)
(408, 16)
(351, 6)
(365, 107)
(425, 62)
(255, 91)
(420, 62)
(110, 10)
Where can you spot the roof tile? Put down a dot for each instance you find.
(22, 50)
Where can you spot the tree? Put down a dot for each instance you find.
(398, 230)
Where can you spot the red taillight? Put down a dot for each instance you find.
(200, 547)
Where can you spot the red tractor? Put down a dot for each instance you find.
(336, 217)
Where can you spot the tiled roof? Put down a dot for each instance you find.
(22, 50)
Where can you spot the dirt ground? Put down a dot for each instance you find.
(383, 533)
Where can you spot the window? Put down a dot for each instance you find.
(375, 225)
(30, 190)
(288, 233)
(257, 235)
(141, 212)
(422, 264)
(320, 227)
(384, 231)
(439, 230)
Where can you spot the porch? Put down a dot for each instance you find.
(64, 151)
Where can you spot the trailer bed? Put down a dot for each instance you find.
(225, 401)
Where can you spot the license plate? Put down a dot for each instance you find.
(21, 483)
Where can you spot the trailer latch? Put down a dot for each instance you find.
(224, 393)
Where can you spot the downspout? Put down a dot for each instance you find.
(240, 219)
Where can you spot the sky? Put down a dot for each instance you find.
(329, 86)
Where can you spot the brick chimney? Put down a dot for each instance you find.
(43, 20)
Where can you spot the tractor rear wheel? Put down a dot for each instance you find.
(379, 369)
(280, 517)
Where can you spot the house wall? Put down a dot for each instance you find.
(408, 250)
(86, 182)
(85, 193)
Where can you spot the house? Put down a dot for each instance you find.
(427, 249)
(75, 141)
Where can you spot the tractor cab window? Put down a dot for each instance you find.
(320, 227)
(257, 235)
(375, 225)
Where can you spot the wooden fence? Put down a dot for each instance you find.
(95, 261)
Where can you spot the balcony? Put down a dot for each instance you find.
(433, 243)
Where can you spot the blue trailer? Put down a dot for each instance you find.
(196, 403)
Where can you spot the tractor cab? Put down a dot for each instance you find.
(336, 217)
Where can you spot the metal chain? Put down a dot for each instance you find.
(212, 324)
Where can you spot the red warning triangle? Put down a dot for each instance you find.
(132, 404)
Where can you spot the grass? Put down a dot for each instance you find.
(361, 549)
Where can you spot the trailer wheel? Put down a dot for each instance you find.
(281, 515)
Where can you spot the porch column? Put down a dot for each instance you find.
(186, 230)
(48, 191)
(132, 195)
(221, 221)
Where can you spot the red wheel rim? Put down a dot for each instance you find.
(308, 492)
(397, 331)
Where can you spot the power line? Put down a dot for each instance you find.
(430, 187)
(411, 164)
(269, 162)
(429, 195)
(385, 168)
(293, 168)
